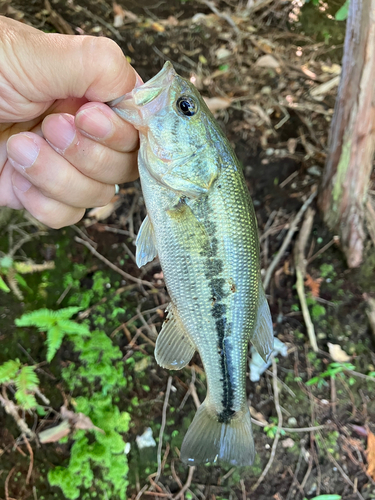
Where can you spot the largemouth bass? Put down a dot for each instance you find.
(201, 224)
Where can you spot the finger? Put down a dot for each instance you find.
(94, 67)
(99, 122)
(54, 176)
(48, 211)
(7, 195)
(93, 159)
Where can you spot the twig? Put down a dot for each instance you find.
(174, 474)
(109, 27)
(288, 238)
(340, 469)
(12, 410)
(30, 450)
(163, 421)
(300, 263)
(112, 266)
(279, 426)
(243, 489)
(6, 485)
(335, 239)
(186, 485)
(222, 15)
(145, 487)
(291, 429)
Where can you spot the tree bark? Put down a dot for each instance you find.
(345, 181)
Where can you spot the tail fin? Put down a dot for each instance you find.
(208, 440)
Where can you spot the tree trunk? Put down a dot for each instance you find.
(343, 194)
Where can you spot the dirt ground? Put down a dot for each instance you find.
(269, 73)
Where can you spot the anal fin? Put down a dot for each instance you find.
(263, 332)
(145, 243)
(174, 347)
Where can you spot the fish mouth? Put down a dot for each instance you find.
(146, 99)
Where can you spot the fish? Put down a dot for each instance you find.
(201, 224)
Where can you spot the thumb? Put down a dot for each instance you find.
(38, 67)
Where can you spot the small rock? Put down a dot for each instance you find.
(292, 422)
(314, 170)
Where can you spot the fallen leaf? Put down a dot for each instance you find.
(258, 415)
(119, 15)
(267, 61)
(371, 454)
(157, 27)
(56, 433)
(223, 53)
(337, 354)
(217, 103)
(78, 420)
(314, 285)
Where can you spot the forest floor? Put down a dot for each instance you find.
(270, 75)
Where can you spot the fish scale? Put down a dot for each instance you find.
(201, 224)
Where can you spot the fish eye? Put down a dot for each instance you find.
(186, 106)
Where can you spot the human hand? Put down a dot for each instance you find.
(60, 153)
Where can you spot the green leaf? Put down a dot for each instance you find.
(342, 13)
(55, 337)
(9, 369)
(3, 286)
(327, 497)
(312, 381)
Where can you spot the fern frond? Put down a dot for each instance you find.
(55, 337)
(27, 379)
(71, 327)
(66, 313)
(26, 400)
(9, 369)
(42, 319)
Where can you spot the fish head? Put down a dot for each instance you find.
(178, 132)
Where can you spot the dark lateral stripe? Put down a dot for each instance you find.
(214, 268)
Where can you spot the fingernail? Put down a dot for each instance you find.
(94, 122)
(22, 150)
(20, 182)
(60, 131)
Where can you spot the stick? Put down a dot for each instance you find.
(279, 426)
(163, 421)
(187, 484)
(31, 459)
(127, 276)
(289, 236)
(300, 262)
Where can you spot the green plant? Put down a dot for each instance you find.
(97, 467)
(342, 13)
(24, 379)
(326, 497)
(56, 324)
(332, 370)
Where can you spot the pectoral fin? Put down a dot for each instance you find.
(263, 332)
(145, 243)
(174, 347)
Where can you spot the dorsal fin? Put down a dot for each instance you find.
(174, 347)
(145, 243)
